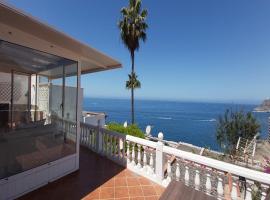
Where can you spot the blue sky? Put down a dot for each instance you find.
(210, 50)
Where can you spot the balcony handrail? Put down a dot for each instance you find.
(141, 141)
(88, 125)
(113, 133)
(220, 165)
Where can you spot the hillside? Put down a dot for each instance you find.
(264, 107)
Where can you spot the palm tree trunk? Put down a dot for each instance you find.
(132, 89)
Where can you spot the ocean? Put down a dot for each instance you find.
(189, 122)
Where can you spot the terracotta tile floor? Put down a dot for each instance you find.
(98, 178)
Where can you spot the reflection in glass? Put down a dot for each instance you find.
(38, 99)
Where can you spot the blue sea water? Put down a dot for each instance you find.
(189, 122)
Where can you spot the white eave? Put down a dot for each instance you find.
(23, 29)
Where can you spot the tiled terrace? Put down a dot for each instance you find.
(98, 178)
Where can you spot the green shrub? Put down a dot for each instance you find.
(132, 129)
(235, 124)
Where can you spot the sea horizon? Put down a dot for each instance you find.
(254, 102)
(180, 121)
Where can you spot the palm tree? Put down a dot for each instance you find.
(133, 30)
(132, 81)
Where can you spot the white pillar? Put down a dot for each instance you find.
(128, 152)
(139, 157)
(187, 175)
(169, 171)
(151, 163)
(177, 172)
(159, 158)
(133, 155)
(197, 179)
(99, 138)
(144, 159)
(220, 190)
(234, 195)
(264, 189)
(208, 185)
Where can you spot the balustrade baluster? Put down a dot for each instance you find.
(208, 185)
(107, 146)
(249, 184)
(133, 154)
(111, 145)
(124, 151)
(81, 138)
(186, 175)
(144, 159)
(234, 194)
(115, 147)
(103, 150)
(128, 152)
(87, 138)
(220, 190)
(177, 172)
(151, 163)
(169, 171)
(91, 137)
(264, 190)
(197, 179)
(139, 165)
(119, 148)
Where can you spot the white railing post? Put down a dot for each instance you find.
(187, 175)
(144, 159)
(208, 184)
(151, 164)
(139, 157)
(249, 190)
(159, 158)
(99, 138)
(220, 190)
(128, 152)
(169, 171)
(177, 172)
(133, 155)
(264, 189)
(197, 181)
(234, 194)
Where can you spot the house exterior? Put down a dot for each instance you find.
(40, 101)
(41, 130)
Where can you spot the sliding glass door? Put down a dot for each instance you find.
(38, 108)
(20, 99)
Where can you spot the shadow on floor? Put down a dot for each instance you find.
(94, 171)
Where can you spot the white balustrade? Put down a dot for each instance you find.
(146, 158)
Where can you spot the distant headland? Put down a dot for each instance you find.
(264, 107)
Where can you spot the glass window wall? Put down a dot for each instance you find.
(38, 108)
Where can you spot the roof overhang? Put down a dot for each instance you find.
(20, 28)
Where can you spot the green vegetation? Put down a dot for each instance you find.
(132, 129)
(133, 30)
(235, 124)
